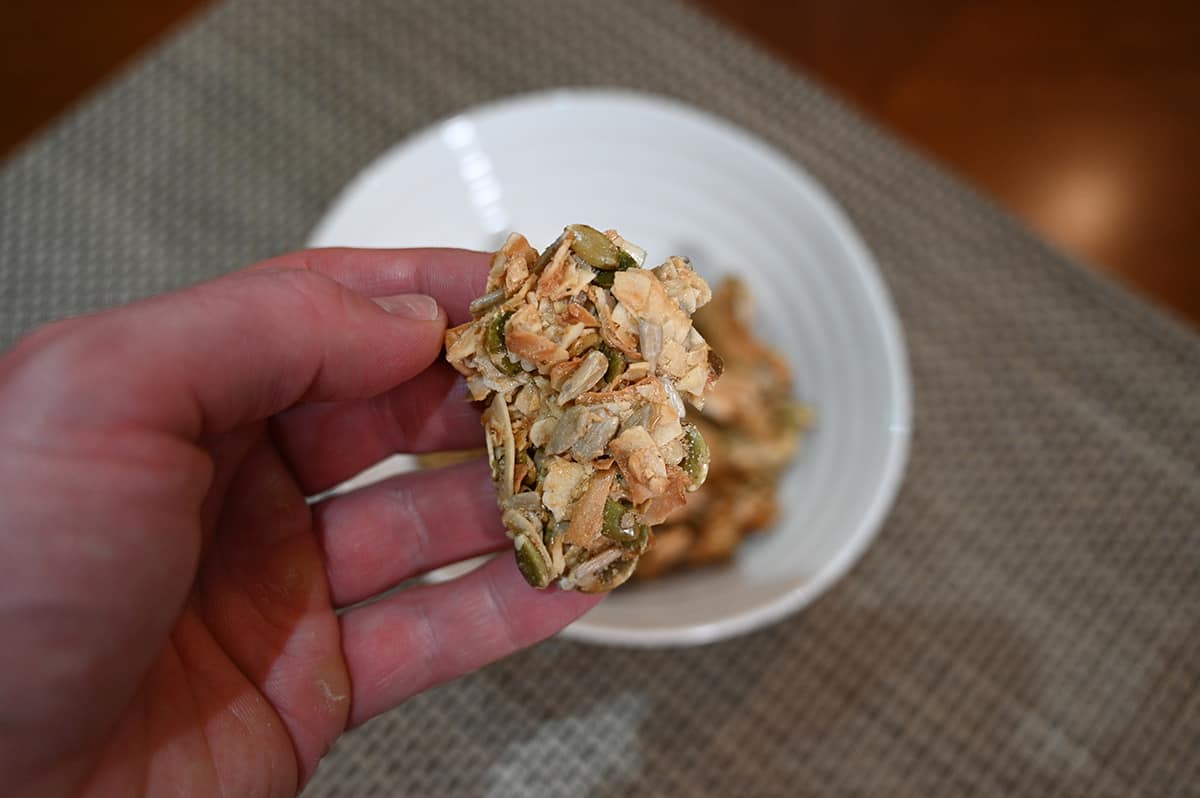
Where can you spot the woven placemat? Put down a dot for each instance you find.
(1028, 621)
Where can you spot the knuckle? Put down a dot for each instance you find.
(307, 283)
(312, 296)
(52, 352)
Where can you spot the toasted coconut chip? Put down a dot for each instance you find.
(588, 515)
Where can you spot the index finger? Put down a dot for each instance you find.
(451, 276)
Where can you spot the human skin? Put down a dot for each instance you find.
(175, 617)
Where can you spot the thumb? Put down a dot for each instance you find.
(220, 354)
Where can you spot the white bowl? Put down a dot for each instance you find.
(679, 181)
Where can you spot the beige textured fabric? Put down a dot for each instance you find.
(1028, 622)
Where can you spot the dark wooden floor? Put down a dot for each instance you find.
(1081, 116)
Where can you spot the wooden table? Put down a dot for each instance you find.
(1081, 116)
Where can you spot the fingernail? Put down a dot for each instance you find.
(417, 307)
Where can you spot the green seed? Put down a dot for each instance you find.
(547, 255)
(604, 279)
(616, 363)
(494, 337)
(531, 563)
(483, 304)
(613, 513)
(594, 247)
(494, 343)
(695, 461)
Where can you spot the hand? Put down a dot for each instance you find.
(168, 598)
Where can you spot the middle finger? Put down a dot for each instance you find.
(327, 443)
(380, 535)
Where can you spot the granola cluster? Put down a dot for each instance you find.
(753, 427)
(586, 360)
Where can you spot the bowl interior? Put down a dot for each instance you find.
(678, 181)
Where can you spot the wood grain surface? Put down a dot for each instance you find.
(1082, 118)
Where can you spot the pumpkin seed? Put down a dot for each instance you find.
(594, 247)
(483, 304)
(531, 562)
(547, 255)
(588, 576)
(613, 529)
(625, 261)
(604, 279)
(496, 348)
(695, 461)
(616, 363)
(503, 450)
(604, 571)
